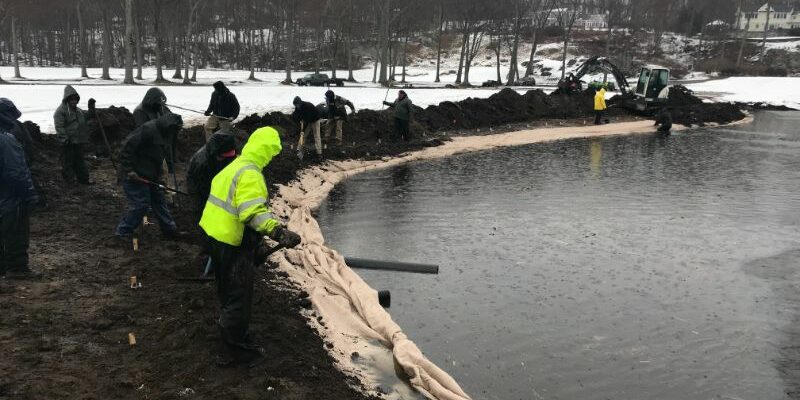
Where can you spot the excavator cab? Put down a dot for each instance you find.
(652, 89)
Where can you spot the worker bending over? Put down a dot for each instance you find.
(142, 157)
(236, 217)
(337, 114)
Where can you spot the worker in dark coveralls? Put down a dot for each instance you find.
(17, 196)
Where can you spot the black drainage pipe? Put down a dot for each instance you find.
(363, 263)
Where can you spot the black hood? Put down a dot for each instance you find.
(220, 87)
(154, 98)
(8, 114)
(220, 143)
(169, 123)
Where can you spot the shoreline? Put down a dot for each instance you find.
(355, 324)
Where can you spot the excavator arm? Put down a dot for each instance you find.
(603, 64)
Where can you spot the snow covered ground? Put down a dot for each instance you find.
(776, 91)
(38, 95)
(41, 90)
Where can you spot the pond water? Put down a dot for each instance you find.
(638, 267)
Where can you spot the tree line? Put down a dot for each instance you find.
(181, 36)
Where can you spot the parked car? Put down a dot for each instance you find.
(319, 80)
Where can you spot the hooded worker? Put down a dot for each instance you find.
(308, 116)
(73, 133)
(402, 115)
(664, 120)
(152, 107)
(225, 108)
(599, 105)
(17, 195)
(141, 159)
(337, 113)
(205, 164)
(236, 218)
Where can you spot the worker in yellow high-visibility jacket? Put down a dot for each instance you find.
(236, 217)
(599, 105)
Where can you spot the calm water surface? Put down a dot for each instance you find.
(638, 267)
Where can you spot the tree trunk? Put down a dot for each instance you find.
(159, 41)
(564, 55)
(513, 70)
(189, 42)
(439, 42)
(81, 40)
(464, 44)
(405, 49)
(290, 27)
(766, 29)
(106, 44)
(139, 56)
(252, 76)
(529, 68)
(742, 42)
(384, 42)
(129, 42)
(15, 47)
(497, 55)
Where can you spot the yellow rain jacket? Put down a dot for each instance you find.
(600, 100)
(239, 194)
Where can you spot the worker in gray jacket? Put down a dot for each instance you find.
(73, 133)
(402, 115)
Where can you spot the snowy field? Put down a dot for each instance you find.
(776, 91)
(41, 91)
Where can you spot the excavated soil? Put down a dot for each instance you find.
(67, 336)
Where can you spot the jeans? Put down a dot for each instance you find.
(72, 163)
(14, 239)
(141, 198)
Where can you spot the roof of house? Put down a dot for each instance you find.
(782, 6)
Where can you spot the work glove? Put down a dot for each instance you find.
(207, 113)
(133, 176)
(285, 237)
(92, 103)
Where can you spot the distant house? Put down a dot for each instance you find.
(785, 15)
(592, 21)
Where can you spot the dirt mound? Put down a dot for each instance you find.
(688, 109)
(702, 114)
(681, 96)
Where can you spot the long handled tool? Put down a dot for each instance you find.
(105, 139)
(196, 111)
(163, 187)
(386, 96)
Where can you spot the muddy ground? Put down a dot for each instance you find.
(67, 336)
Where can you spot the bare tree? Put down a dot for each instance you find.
(106, 42)
(82, 39)
(541, 14)
(566, 16)
(129, 42)
(189, 39)
(766, 29)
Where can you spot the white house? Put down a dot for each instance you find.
(781, 16)
(592, 21)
